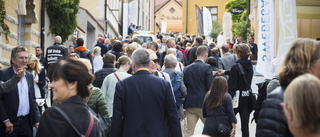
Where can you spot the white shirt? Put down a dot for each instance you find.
(23, 90)
(36, 87)
(219, 40)
(163, 47)
(97, 63)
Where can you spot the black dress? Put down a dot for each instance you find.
(224, 114)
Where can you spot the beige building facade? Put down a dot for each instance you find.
(171, 13)
(24, 24)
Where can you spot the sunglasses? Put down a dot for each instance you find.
(31, 63)
(155, 60)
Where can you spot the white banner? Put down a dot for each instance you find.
(163, 27)
(207, 23)
(287, 30)
(266, 37)
(125, 19)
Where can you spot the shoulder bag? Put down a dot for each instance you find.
(105, 122)
(222, 129)
(252, 97)
(74, 128)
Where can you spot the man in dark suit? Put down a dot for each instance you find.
(144, 104)
(18, 108)
(103, 47)
(191, 55)
(198, 79)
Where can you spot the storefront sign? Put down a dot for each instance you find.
(237, 10)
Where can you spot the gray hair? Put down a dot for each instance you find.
(141, 58)
(170, 61)
(57, 39)
(171, 50)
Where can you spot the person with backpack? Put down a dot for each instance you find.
(178, 87)
(82, 51)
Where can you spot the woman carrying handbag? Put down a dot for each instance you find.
(218, 110)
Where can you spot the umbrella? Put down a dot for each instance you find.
(227, 26)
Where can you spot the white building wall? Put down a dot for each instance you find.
(145, 15)
(113, 14)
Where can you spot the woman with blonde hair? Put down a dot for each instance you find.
(39, 76)
(109, 83)
(97, 59)
(302, 106)
(129, 50)
(302, 57)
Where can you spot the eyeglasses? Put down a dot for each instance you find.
(155, 60)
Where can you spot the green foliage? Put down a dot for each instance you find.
(240, 29)
(237, 3)
(216, 29)
(4, 26)
(63, 17)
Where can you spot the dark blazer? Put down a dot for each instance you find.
(9, 102)
(53, 124)
(191, 55)
(198, 78)
(42, 82)
(102, 73)
(103, 47)
(142, 105)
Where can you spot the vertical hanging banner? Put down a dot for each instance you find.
(207, 23)
(266, 37)
(199, 21)
(125, 19)
(287, 30)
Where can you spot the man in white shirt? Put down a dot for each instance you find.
(19, 111)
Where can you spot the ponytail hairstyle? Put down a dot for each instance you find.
(123, 60)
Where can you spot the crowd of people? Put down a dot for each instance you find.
(153, 89)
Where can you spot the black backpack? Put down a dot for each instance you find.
(262, 95)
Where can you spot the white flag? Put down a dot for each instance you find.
(287, 30)
(266, 37)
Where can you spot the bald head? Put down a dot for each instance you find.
(57, 39)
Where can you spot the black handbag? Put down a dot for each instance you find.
(222, 129)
